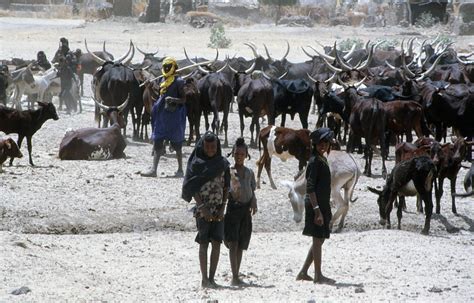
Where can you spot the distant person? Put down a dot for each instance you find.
(207, 180)
(66, 75)
(42, 61)
(317, 208)
(241, 206)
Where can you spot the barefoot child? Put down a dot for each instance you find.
(240, 208)
(317, 207)
(207, 180)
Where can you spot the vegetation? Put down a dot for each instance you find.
(426, 19)
(218, 38)
(346, 45)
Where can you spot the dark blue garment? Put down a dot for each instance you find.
(168, 125)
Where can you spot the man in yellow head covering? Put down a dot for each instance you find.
(168, 116)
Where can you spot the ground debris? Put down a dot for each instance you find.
(21, 291)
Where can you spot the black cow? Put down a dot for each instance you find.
(407, 178)
(26, 123)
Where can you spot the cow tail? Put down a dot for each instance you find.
(357, 175)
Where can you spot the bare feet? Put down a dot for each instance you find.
(237, 282)
(324, 280)
(302, 276)
(213, 284)
(205, 283)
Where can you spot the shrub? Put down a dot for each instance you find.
(387, 44)
(426, 19)
(346, 45)
(218, 38)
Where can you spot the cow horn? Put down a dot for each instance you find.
(287, 51)
(435, 40)
(119, 60)
(268, 53)
(105, 52)
(322, 55)
(410, 47)
(344, 85)
(350, 53)
(390, 65)
(465, 62)
(332, 67)
(187, 57)
(404, 66)
(331, 79)
(94, 56)
(254, 50)
(370, 56)
(432, 68)
(306, 53)
(311, 78)
(142, 52)
(100, 105)
(251, 68)
(344, 66)
(122, 106)
(266, 76)
(357, 84)
(230, 66)
(131, 56)
(187, 76)
(282, 76)
(222, 68)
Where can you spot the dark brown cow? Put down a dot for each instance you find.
(285, 143)
(26, 123)
(96, 143)
(404, 116)
(453, 154)
(8, 149)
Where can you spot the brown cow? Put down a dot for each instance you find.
(285, 143)
(8, 149)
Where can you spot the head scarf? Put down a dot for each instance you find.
(168, 76)
(201, 168)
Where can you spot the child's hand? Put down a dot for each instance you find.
(318, 217)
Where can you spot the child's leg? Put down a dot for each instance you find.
(215, 252)
(303, 274)
(234, 253)
(203, 264)
(317, 256)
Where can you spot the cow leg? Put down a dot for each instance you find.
(242, 125)
(268, 168)
(257, 131)
(225, 121)
(453, 190)
(81, 81)
(30, 147)
(400, 214)
(419, 205)
(260, 164)
(20, 139)
(283, 120)
(320, 121)
(304, 120)
(426, 197)
(206, 121)
(368, 160)
(439, 194)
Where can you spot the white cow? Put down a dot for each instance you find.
(344, 175)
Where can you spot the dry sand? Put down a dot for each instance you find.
(90, 231)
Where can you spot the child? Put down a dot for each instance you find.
(317, 207)
(240, 208)
(207, 180)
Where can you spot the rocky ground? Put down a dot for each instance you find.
(98, 231)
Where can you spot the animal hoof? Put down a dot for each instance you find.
(425, 232)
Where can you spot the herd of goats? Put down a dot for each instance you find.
(372, 93)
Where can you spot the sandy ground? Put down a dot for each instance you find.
(92, 231)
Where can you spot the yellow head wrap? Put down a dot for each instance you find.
(169, 76)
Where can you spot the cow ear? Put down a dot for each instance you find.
(41, 103)
(374, 190)
(8, 144)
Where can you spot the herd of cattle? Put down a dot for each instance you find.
(371, 93)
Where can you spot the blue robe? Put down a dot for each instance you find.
(168, 125)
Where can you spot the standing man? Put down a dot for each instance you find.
(66, 75)
(168, 117)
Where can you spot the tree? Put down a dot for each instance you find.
(280, 3)
(153, 11)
